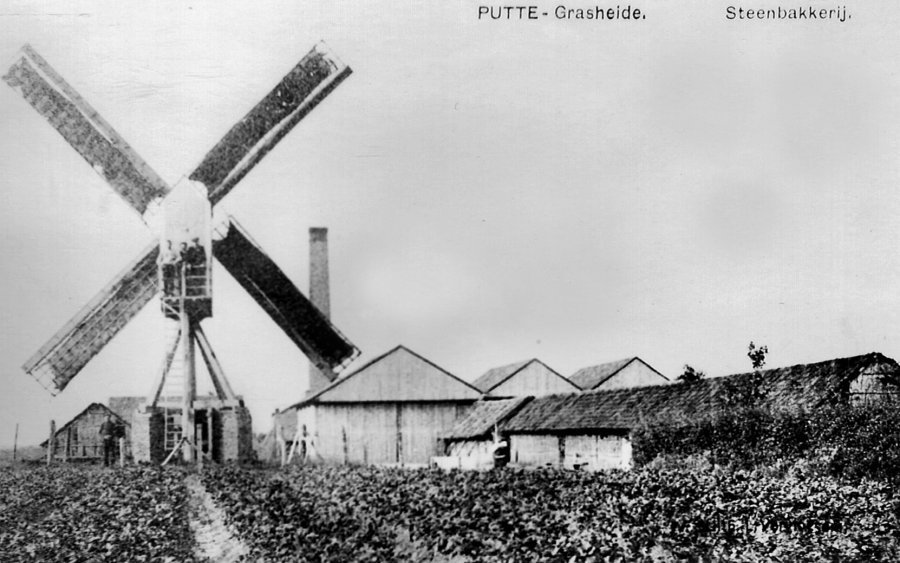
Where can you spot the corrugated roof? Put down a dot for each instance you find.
(592, 376)
(481, 418)
(800, 386)
(495, 376)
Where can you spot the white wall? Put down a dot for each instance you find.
(536, 380)
(383, 433)
(468, 454)
(534, 450)
(591, 452)
(635, 374)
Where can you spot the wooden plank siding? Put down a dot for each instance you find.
(591, 452)
(620, 374)
(422, 426)
(536, 380)
(635, 374)
(79, 439)
(398, 376)
(594, 452)
(392, 410)
(871, 388)
(382, 433)
(534, 450)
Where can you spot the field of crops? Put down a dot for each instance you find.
(91, 514)
(376, 514)
(658, 513)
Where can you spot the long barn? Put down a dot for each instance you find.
(592, 430)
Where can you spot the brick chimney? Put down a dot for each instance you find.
(318, 294)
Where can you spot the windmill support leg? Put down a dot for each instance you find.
(190, 387)
(209, 434)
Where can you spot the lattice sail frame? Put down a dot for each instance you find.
(302, 89)
(72, 347)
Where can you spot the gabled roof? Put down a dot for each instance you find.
(480, 420)
(495, 377)
(804, 386)
(593, 376)
(463, 390)
(82, 413)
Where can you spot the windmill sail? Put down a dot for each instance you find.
(307, 84)
(63, 356)
(83, 128)
(305, 325)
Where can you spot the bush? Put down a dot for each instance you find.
(843, 441)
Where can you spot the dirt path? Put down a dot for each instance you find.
(215, 540)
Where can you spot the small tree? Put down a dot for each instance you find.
(757, 355)
(751, 390)
(690, 375)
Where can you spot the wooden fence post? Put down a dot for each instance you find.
(209, 433)
(15, 442)
(121, 452)
(51, 442)
(199, 435)
(65, 455)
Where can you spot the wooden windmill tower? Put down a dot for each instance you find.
(185, 282)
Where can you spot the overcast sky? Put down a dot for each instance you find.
(578, 192)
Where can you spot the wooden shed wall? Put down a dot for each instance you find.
(84, 436)
(532, 450)
(383, 433)
(869, 389)
(635, 374)
(536, 380)
(469, 454)
(595, 452)
(592, 452)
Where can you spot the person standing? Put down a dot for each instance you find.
(499, 449)
(108, 436)
(169, 262)
(195, 268)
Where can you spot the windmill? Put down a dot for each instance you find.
(181, 218)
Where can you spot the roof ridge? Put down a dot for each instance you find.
(519, 366)
(340, 380)
(808, 364)
(625, 408)
(86, 409)
(618, 364)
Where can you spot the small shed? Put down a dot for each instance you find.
(526, 378)
(469, 443)
(591, 430)
(627, 372)
(392, 410)
(570, 431)
(79, 439)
